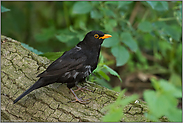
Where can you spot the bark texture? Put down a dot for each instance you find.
(19, 68)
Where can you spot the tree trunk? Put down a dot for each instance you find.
(19, 68)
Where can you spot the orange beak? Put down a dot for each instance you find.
(105, 36)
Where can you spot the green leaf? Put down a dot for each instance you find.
(82, 7)
(164, 46)
(170, 88)
(178, 15)
(72, 29)
(4, 9)
(145, 26)
(96, 3)
(159, 25)
(114, 116)
(112, 41)
(157, 105)
(165, 30)
(155, 83)
(31, 49)
(174, 115)
(121, 94)
(174, 32)
(123, 3)
(121, 54)
(163, 101)
(111, 71)
(110, 106)
(46, 34)
(103, 83)
(104, 75)
(117, 88)
(96, 14)
(64, 38)
(115, 110)
(128, 99)
(176, 80)
(160, 104)
(52, 55)
(82, 25)
(151, 117)
(108, 12)
(159, 5)
(110, 24)
(128, 40)
(80, 36)
(112, 2)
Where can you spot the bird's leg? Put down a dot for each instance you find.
(82, 89)
(78, 99)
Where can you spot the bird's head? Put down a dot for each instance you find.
(96, 37)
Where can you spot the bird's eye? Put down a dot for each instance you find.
(96, 35)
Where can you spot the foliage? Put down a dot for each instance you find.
(163, 101)
(115, 110)
(77, 18)
(155, 30)
(31, 49)
(4, 9)
(52, 55)
(146, 37)
(100, 73)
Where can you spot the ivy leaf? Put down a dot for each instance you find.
(121, 54)
(122, 4)
(128, 40)
(104, 75)
(82, 7)
(173, 32)
(95, 14)
(163, 101)
(46, 34)
(64, 38)
(103, 83)
(158, 5)
(31, 49)
(129, 99)
(145, 26)
(111, 71)
(4, 9)
(52, 55)
(114, 116)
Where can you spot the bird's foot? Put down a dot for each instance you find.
(80, 100)
(83, 89)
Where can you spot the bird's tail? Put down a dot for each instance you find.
(30, 89)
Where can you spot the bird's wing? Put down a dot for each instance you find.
(70, 60)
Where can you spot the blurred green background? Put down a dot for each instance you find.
(146, 42)
(146, 38)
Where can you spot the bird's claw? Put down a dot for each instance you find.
(80, 100)
(83, 89)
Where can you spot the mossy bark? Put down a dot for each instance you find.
(19, 68)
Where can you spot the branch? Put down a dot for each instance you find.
(19, 68)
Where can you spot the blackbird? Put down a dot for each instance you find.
(73, 66)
